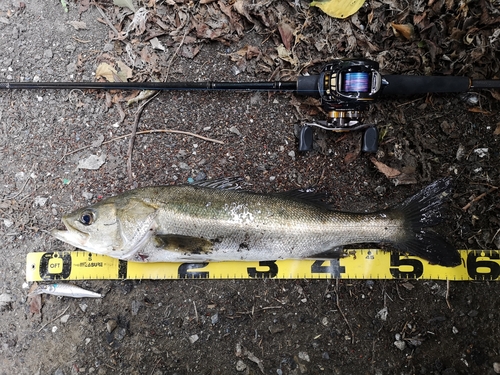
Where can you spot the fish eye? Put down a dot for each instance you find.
(87, 218)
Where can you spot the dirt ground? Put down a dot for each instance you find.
(245, 326)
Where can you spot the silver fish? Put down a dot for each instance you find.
(209, 222)
(65, 290)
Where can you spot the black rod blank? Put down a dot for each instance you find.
(162, 86)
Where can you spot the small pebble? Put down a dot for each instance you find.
(111, 325)
(83, 306)
(5, 301)
(401, 345)
(234, 129)
(8, 223)
(240, 365)
(120, 333)
(215, 318)
(460, 152)
(64, 318)
(193, 338)
(87, 195)
(40, 201)
(184, 166)
(380, 190)
(276, 329)
(136, 305)
(496, 367)
(304, 356)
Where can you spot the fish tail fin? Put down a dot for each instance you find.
(420, 212)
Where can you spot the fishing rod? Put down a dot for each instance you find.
(345, 87)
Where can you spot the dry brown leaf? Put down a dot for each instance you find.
(286, 33)
(248, 52)
(204, 31)
(106, 71)
(124, 72)
(385, 169)
(479, 110)
(286, 55)
(189, 51)
(78, 25)
(497, 130)
(240, 6)
(406, 30)
(495, 94)
(351, 156)
(234, 18)
(35, 301)
(83, 6)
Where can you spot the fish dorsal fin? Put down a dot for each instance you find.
(307, 196)
(227, 183)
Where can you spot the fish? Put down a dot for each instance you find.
(215, 221)
(65, 290)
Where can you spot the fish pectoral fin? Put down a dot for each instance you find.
(333, 253)
(183, 244)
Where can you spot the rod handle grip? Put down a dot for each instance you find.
(404, 85)
(309, 85)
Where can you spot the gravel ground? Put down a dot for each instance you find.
(244, 326)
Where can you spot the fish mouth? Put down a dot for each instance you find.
(71, 236)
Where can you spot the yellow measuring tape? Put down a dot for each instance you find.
(360, 264)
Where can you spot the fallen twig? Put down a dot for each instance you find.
(141, 108)
(195, 312)
(177, 50)
(478, 198)
(341, 312)
(53, 320)
(133, 134)
(108, 22)
(149, 132)
(448, 294)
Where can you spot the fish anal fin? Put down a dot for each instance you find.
(183, 244)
